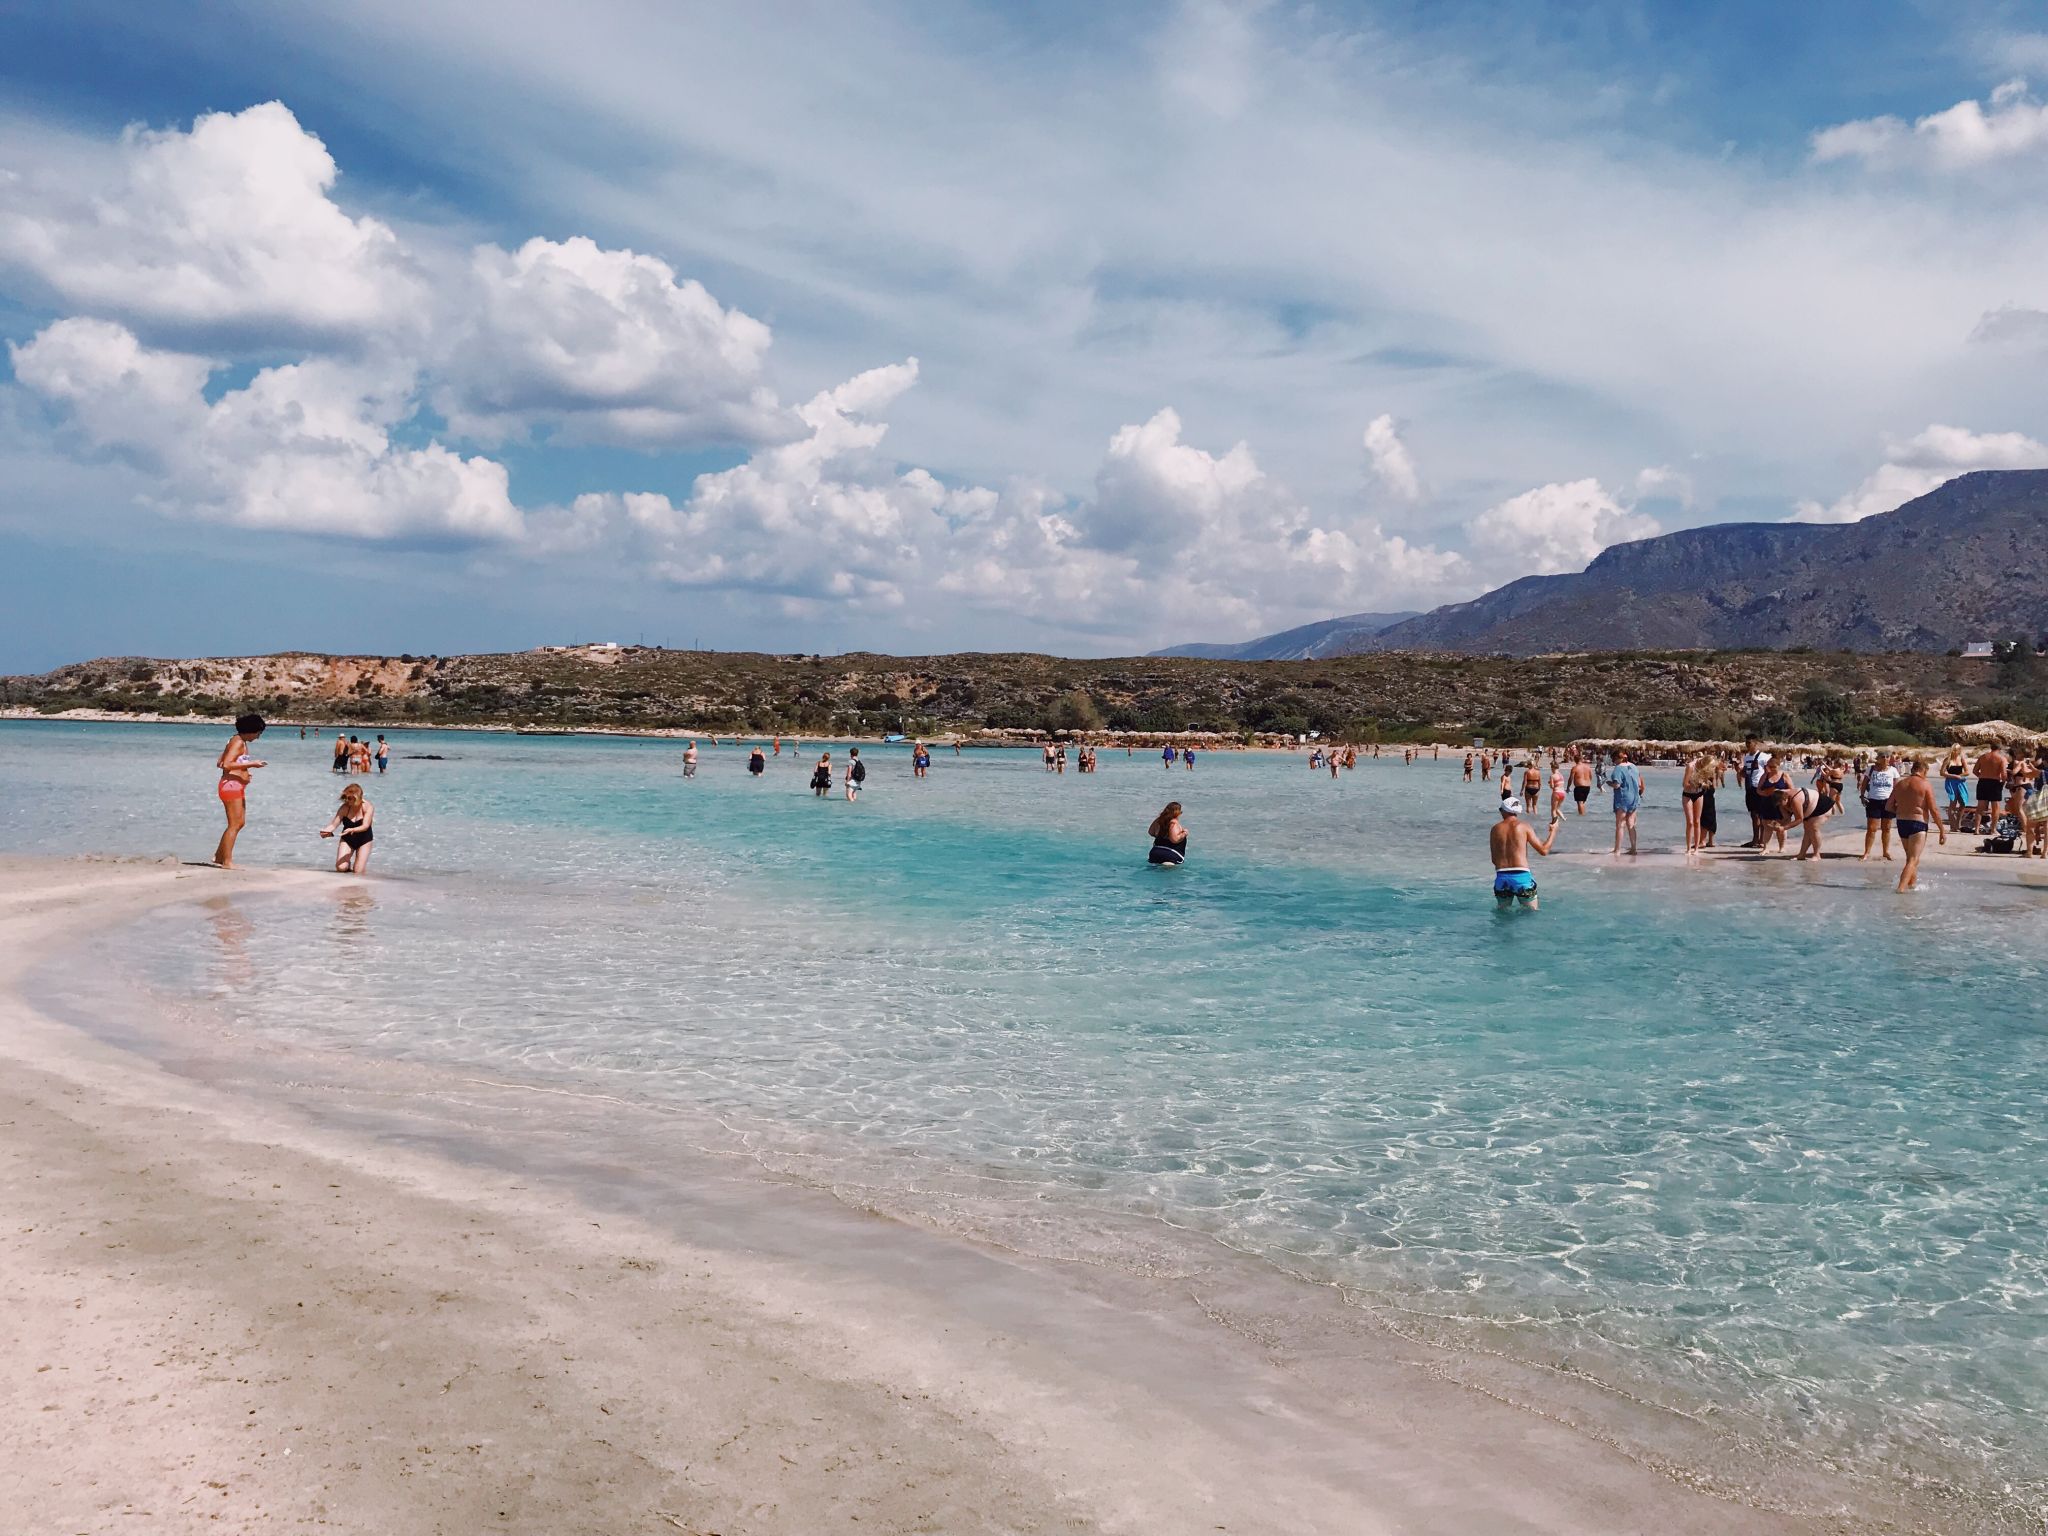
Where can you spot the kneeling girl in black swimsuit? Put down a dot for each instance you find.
(354, 823)
(1169, 837)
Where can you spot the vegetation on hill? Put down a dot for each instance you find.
(1388, 697)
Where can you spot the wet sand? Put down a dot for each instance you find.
(224, 1313)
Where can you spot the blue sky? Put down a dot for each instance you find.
(381, 328)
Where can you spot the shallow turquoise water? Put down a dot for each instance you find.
(1761, 1137)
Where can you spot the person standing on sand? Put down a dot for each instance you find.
(1509, 844)
(1955, 786)
(1878, 785)
(235, 765)
(1991, 772)
(1626, 781)
(1699, 783)
(1913, 806)
(354, 822)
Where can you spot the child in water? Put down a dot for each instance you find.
(353, 824)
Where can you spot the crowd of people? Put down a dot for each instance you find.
(2001, 797)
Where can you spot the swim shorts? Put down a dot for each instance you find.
(1516, 883)
(1582, 793)
(1991, 792)
(1877, 810)
(1911, 828)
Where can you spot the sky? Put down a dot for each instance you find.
(409, 327)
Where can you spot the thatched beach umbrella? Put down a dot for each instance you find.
(1994, 730)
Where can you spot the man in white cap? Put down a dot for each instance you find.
(1510, 842)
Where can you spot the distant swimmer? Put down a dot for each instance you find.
(1169, 837)
(1468, 767)
(235, 765)
(821, 777)
(1510, 843)
(757, 761)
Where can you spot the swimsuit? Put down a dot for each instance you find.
(1164, 852)
(231, 789)
(1909, 828)
(1516, 883)
(1582, 792)
(356, 839)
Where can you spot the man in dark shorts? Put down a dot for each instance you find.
(1582, 782)
(1991, 771)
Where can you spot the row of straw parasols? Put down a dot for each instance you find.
(1981, 732)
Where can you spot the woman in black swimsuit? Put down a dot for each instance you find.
(354, 824)
(1169, 837)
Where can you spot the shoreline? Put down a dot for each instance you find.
(170, 1227)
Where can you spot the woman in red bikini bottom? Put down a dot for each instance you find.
(235, 764)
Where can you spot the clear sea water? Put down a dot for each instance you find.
(1763, 1139)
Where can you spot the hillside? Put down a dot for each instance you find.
(1965, 562)
(1388, 697)
(1326, 637)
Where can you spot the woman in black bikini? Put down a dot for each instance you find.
(1819, 803)
(353, 824)
(1169, 837)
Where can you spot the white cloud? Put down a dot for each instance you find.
(225, 237)
(1555, 528)
(226, 228)
(1172, 535)
(1661, 480)
(1968, 134)
(1923, 462)
(304, 447)
(605, 346)
(1391, 460)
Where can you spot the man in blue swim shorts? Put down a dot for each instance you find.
(1510, 843)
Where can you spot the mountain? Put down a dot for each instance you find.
(1325, 637)
(1968, 561)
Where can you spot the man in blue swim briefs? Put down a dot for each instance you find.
(1510, 842)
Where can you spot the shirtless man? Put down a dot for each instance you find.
(1532, 782)
(1915, 808)
(1582, 783)
(1991, 770)
(1510, 842)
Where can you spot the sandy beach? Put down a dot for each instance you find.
(228, 1315)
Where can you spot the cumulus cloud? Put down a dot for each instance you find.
(226, 237)
(603, 345)
(1391, 460)
(1921, 463)
(305, 447)
(227, 228)
(1968, 134)
(1661, 480)
(1172, 532)
(1555, 528)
